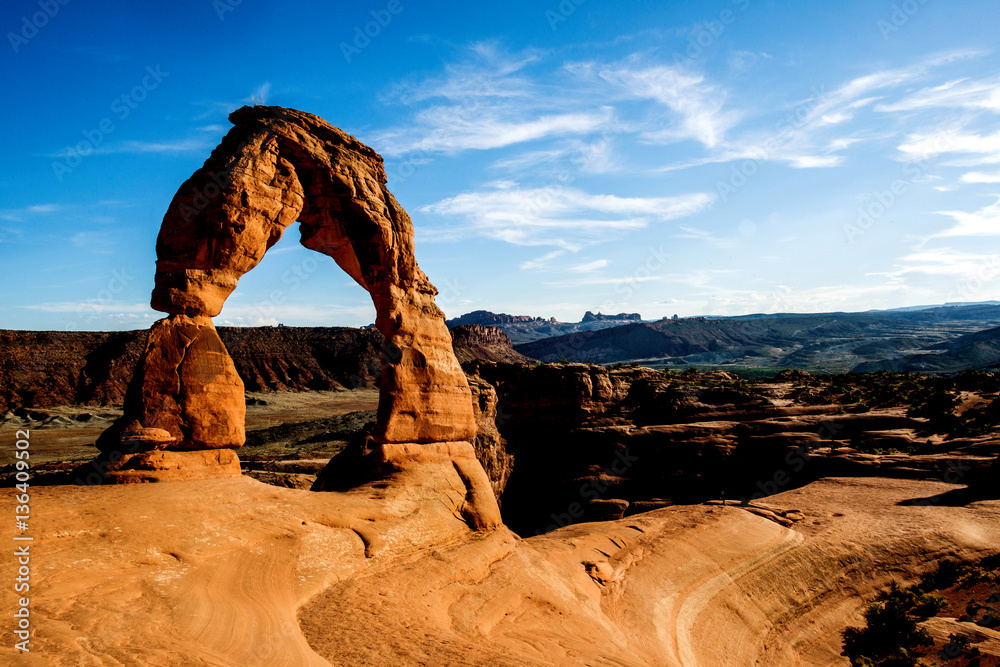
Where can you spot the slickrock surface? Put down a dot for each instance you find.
(235, 572)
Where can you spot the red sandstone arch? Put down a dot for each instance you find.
(275, 167)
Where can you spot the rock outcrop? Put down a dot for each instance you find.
(185, 384)
(491, 448)
(475, 341)
(591, 443)
(275, 167)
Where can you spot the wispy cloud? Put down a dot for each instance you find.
(485, 102)
(984, 222)
(565, 217)
(173, 146)
(235, 314)
(941, 262)
(589, 267)
(91, 307)
(981, 177)
(453, 129)
(579, 282)
(819, 130)
(704, 235)
(698, 106)
(541, 262)
(960, 93)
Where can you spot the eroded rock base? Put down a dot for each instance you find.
(160, 466)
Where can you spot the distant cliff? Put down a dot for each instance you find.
(474, 341)
(524, 328)
(48, 368)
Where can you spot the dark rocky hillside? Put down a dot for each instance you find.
(976, 350)
(49, 368)
(524, 328)
(829, 341)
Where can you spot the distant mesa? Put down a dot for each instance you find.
(486, 318)
(620, 317)
(525, 328)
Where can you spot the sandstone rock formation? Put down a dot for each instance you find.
(187, 385)
(491, 449)
(475, 341)
(275, 167)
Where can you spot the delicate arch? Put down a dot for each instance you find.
(274, 167)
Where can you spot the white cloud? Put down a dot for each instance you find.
(949, 140)
(589, 267)
(541, 262)
(981, 177)
(565, 217)
(698, 105)
(579, 282)
(815, 132)
(173, 146)
(92, 307)
(942, 262)
(703, 235)
(485, 103)
(961, 93)
(984, 222)
(453, 129)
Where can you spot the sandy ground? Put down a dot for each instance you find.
(236, 572)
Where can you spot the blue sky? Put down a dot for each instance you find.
(695, 158)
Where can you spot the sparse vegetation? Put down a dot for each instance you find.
(892, 636)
